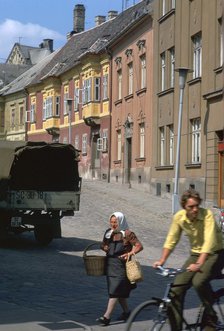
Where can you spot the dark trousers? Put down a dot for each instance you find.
(200, 281)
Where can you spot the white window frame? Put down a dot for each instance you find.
(84, 143)
(197, 56)
(32, 112)
(173, 4)
(76, 99)
(163, 7)
(66, 96)
(86, 93)
(49, 107)
(221, 43)
(172, 66)
(162, 145)
(102, 143)
(143, 71)
(130, 78)
(196, 140)
(163, 70)
(142, 140)
(119, 78)
(119, 145)
(171, 145)
(105, 87)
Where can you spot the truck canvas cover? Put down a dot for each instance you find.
(45, 167)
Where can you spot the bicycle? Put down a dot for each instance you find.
(152, 315)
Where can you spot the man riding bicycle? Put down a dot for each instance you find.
(206, 258)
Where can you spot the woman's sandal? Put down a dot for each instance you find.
(103, 320)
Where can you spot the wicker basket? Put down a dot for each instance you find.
(94, 264)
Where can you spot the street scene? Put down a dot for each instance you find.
(47, 288)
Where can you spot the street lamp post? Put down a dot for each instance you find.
(69, 103)
(182, 79)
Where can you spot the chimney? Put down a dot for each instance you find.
(112, 14)
(79, 18)
(99, 19)
(48, 43)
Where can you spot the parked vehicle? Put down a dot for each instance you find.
(39, 184)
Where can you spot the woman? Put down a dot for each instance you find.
(118, 243)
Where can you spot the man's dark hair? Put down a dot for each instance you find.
(190, 194)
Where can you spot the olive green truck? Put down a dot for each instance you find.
(39, 185)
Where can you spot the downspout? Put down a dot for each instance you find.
(110, 112)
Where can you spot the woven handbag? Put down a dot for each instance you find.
(133, 270)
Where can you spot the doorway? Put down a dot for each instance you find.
(95, 158)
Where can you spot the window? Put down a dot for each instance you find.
(96, 89)
(172, 66)
(196, 140)
(57, 106)
(32, 112)
(47, 108)
(21, 115)
(2, 120)
(143, 71)
(84, 143)
(102, 143)
(171, 145)
(221, 44)
(164, 7)
(119, 78)
(119, 144)
(197, 55)
(162, 146)
(13, 111)
(130, 78)
(65, 103)
(86, 95)
(142, 140)
(105, 87)
(77, 142)
(163, 71)
(76, 99)
(167, 5)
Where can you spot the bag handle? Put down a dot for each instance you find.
(88, 247)
(130, 257)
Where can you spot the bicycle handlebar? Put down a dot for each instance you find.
(169, 272)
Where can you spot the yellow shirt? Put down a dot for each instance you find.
(203, 233)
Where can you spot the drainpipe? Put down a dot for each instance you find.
(110, 112)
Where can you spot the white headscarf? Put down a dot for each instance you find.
(122, 224)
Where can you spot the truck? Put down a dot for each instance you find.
(39, 185)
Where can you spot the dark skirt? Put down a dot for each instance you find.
(117, 283)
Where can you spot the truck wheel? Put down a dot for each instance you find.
(43, 234)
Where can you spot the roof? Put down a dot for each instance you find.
(92, 41)
(31, 54)
(8, 72)
(95, 40)
(24, 80)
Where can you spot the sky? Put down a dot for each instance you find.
(29, 22)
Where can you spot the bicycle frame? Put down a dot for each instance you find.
(163, 306)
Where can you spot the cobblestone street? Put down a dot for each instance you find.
(49, 284)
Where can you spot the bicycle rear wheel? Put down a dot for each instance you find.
(148, 317)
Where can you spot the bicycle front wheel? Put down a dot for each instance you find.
(148, 316)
